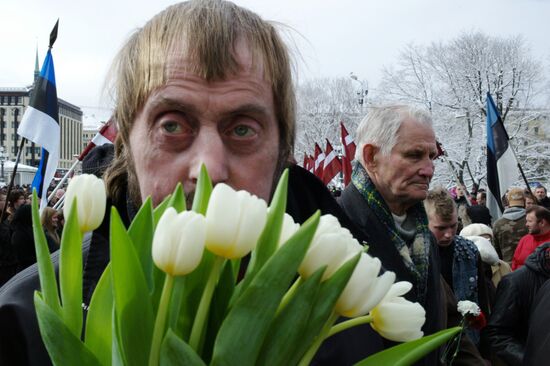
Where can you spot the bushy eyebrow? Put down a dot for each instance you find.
(249, 108)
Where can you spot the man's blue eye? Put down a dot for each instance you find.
(242, 130)
(170, 126)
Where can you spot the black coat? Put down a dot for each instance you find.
(509, 322)
(373, 232)
(537, 348)
(20, 341)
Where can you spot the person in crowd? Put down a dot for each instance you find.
(508, 325)
(538, 226)
(394, 166)
(489, 256)
(538, 336)
(461, 264)
(542, 196)
(510, 228)
(530, 200)
(481, 198)
(49, 220)
(477, 214)
(8, 262)
(22, 239)
(15, 200)
(221, 96)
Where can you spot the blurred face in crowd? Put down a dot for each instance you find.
(443, 230)
(540, 193)
(403, 177)
(529, 202)
(55, 220)
(533, 224)
(228, 125)
(19, 202)
(481, 200)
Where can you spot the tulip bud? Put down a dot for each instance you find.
(234, 222)
(91, 200)
(178, 242)
(288, 229)
(398, 319)
(331, 246)
(364, 289)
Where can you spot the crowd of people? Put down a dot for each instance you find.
(222, 95)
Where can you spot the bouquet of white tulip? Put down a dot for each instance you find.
(170, 294)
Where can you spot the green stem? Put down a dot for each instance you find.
(204, 305)
(365, 319)
(306, 360)
(160, 322)
(289, 294)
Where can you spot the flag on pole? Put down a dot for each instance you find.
(502, 166)
(311, 164)
(40, 124)
(106, 135)
(348, 153)
(319, 158)
(331, 166)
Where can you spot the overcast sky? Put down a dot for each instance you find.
(334, 38)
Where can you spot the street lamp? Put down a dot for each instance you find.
(3, 158)
(363, 92)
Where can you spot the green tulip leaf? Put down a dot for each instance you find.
(63, 346)
(267, 243)
(177, 199)
(175, 352)
(117, 356)
(202, 192)
(70, 272)
(409, 353)
(134, 313)
(159, 210)
(46, 273)
(326, 299)
(99, 320)
(244, 329)
(286, 330)
(141, 233)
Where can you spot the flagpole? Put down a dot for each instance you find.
(71, 169)
(520, 168)
(10, 186)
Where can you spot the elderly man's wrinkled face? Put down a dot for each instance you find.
(403, 177)
(230, 126)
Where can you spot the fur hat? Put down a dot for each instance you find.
(516, 197)
(486, 251)
(476, 230)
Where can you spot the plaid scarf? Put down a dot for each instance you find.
(414, 257)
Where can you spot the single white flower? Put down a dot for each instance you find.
(234, 222)
(465, 307)
(331, 246)
(364, 289)
(178, 242)
(396, 318)
(288, 229)
(90, 195)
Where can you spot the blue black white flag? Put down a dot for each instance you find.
(502, 166)
(40, 124)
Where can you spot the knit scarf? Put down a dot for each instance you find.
(415, 256)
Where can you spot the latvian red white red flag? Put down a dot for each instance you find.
(319, 158)
(348, 153)
(331, 166)
(106, 135)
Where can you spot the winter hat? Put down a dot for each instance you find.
(476, 230)
(516, 197)
(486, 251)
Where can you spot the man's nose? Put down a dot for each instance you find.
(210, 150)
(427, 168)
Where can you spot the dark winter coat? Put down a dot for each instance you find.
(373, 232)
(509, 322)
(537, 348)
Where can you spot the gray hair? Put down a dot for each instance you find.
(381, 125)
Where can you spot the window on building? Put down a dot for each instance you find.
(2, 99)
(536, 130)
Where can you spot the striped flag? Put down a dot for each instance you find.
(319, 158)
(40, 124)
(331, 166)
(106, 135)
(502, 166)
(348, 153)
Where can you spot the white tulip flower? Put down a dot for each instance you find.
(331, 246)
(178, 242)
(288, 229)
(364, 289)
(234, 222)
(89, 191)
(396, 318)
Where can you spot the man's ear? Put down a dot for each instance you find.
(370, 156)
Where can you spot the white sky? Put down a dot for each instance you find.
(333, 37)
